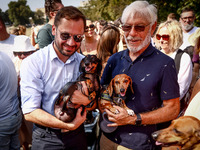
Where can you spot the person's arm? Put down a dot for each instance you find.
(185, 74)
(43, 118)
(169, 111)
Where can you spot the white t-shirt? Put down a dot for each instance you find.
(186, 43)
(185, 73)
(7, 46)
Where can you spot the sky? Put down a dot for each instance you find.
(33, 4)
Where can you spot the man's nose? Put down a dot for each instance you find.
(71, 41)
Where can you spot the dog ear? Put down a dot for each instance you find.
(197, 133)
(110, 87)
(81, 67)
(99, 66)
(130, 84)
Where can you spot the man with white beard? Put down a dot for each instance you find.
(156, 92)
(187, 19)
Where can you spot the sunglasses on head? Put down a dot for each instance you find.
(164, 37)
(66, 36)
(92, 26)
(137, 28)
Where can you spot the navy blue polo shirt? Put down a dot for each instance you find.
(154, 80)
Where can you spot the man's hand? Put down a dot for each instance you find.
(80, 118)
(122, 118)
(80, 98)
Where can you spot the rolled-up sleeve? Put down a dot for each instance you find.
(31, 86)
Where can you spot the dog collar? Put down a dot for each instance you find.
(106, 96)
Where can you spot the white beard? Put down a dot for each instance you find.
(143, 44)
(187, 27)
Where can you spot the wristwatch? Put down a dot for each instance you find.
(138, 121)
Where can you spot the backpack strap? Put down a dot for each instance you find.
(177, 59)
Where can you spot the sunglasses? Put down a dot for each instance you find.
(137, 28)
(66, 36)
(91, 27)
(23, 53)
(164, 37)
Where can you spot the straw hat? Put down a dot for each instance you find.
(22, 43)
(192, 38)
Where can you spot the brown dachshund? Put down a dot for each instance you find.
(90, 68)
(183, 132)
(115, 93)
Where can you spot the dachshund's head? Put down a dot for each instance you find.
(90, 64)
(120, 84)
(184, 132)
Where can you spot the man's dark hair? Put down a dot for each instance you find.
(50, 6)
(186, 9)
(69, 12)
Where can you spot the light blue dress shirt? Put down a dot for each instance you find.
(43, 74)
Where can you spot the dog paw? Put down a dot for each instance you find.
(130, 112)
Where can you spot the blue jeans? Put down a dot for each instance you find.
(9, 132)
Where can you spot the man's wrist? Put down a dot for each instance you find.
(138, 121)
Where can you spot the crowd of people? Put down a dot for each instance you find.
(161, 59)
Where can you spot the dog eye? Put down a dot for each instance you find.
(176, 131)
(125, 81)
(117, 82)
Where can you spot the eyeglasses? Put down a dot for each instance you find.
(164, 37)
(66, 36)
(91, 27)
(138, 28)
(23, 53)
(187, 18)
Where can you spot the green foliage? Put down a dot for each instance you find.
(38, 17)
(4, 16)
(112, 9)
(19, 12)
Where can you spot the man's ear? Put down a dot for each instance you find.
(54, 30)
(52, 14)
(153, 28)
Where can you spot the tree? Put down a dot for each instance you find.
(112, 9)
(5, 17)
(104, 9)
(19, 12)
(38, 17)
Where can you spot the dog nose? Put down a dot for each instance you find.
(154, 135)
(122, 90)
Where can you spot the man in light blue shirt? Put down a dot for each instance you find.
(44, 73)
(10, 115)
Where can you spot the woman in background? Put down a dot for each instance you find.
(107, 45)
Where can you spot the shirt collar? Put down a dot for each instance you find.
(150, 49)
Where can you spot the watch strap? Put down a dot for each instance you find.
(138, 121)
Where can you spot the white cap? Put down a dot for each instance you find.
(22, 43)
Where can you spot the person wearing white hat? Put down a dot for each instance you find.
(22, 49)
